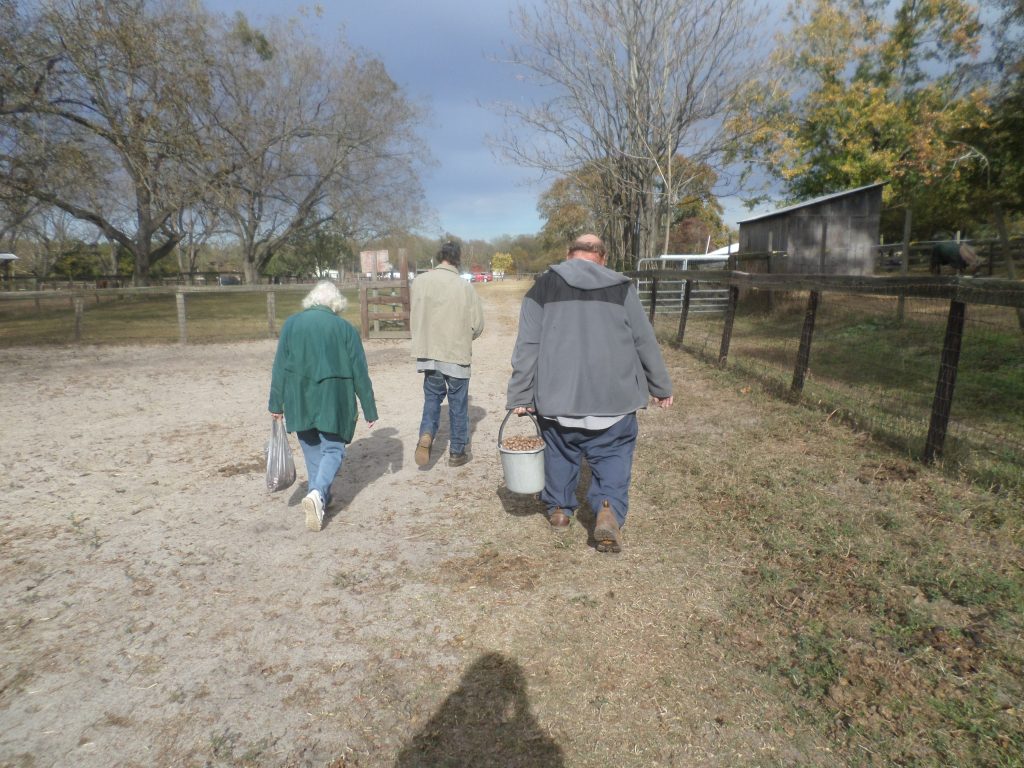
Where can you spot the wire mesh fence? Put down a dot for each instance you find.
(934, 366)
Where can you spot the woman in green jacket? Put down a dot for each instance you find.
(319, 372)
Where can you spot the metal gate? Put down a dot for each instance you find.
(706, 297)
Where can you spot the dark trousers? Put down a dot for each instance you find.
(609, 453)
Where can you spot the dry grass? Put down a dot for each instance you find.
(790, 594)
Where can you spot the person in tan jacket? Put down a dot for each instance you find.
(447, 315)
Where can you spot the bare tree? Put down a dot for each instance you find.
(43, 236)
(197, 225)
(634, 83)
(102, 114)
(312, 142)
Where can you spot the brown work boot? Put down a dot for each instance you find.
(423, 449)
(606, 530)
(457, 459)
(559, 520)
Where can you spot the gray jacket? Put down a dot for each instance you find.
(585, 346)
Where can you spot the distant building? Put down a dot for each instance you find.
(835, 234)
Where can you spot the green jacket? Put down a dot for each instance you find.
(319, 371)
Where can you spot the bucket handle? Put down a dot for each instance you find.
(501, 429)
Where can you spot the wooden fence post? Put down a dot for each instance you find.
(404, 292)
(79, 304)
(901, 308)
(943, 403)
(684, 312)
(803, 355)
(654, 298)
(271, 313)
(730, 316)
(364, 313)
(1004, 241)
(182, 326)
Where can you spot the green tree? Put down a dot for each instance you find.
(502, 262)
(998, 180)
(689, 220)
(566, 212)
(311, 252)
(861, 92)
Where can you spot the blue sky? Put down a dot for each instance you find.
(441, 52)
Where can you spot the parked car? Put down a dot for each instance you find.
(229, 280)
(483, 277)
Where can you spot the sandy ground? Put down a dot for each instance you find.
(161, 607)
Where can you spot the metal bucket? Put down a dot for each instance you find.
(524, 470)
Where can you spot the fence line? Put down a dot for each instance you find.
(888, 385)
(77, 300)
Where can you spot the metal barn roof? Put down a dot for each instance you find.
(815, 201)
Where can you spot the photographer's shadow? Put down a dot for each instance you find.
(485, 723)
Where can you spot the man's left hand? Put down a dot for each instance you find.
(662, 402)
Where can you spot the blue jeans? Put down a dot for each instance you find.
(323, 453)
(609, 454)
(436, 386)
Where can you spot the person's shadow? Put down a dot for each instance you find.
(485, 723)
(366, 460)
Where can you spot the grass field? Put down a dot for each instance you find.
(212, 316)
(880, 374)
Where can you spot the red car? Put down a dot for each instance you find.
(483, 277)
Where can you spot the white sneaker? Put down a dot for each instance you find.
(313, 503)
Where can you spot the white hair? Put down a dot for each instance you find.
(325, 294)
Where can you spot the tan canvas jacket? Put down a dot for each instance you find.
(447, 315)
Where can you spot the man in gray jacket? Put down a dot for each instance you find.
(586, 359)
(447, 315)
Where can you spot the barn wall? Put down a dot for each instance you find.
(835, 236)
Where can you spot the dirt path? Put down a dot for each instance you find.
(160, 608)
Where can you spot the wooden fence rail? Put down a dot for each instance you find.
(78, 298)
(959, 291)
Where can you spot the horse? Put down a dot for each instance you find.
(958, 255)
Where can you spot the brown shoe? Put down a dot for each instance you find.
(423, 449)
(559, 520)
(457, 459)
(606, 530)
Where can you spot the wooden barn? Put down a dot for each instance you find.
(834, 234)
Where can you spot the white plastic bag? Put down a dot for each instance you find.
(280, 465)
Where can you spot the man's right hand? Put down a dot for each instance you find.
(522, 410)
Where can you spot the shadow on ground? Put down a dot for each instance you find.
(485, 722)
